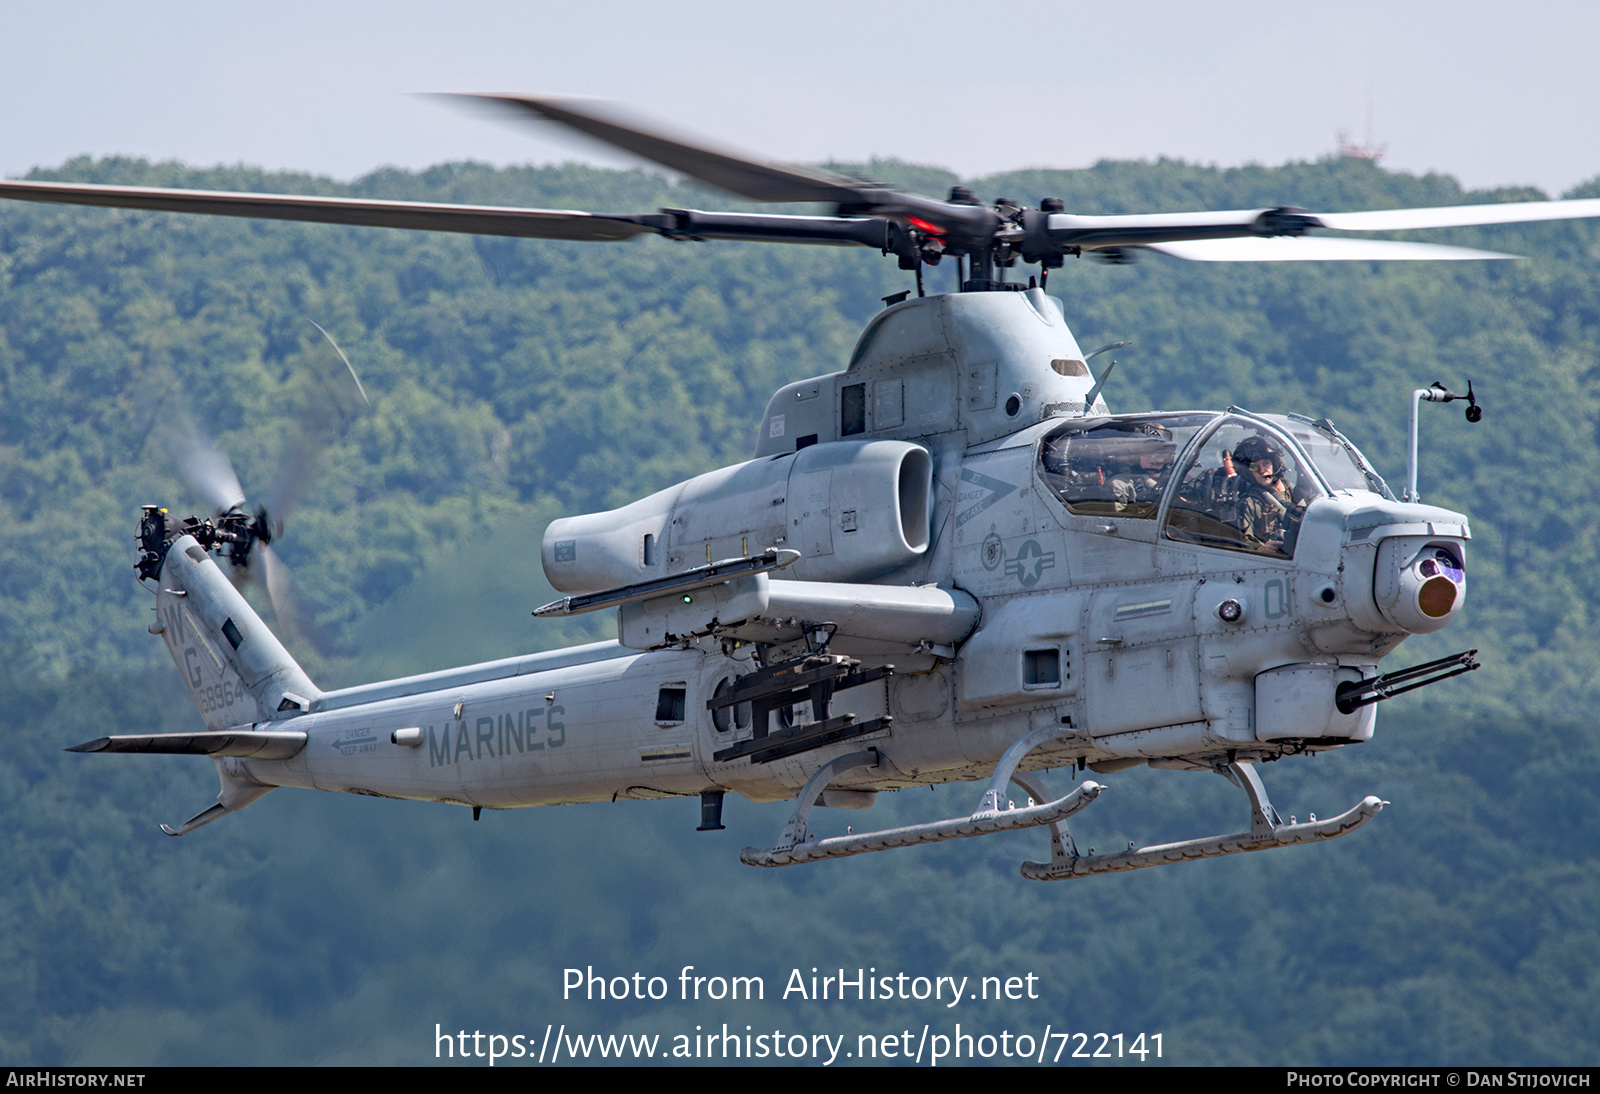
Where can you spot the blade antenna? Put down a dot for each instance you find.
(1094, 392)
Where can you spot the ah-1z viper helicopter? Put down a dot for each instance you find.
(952, 534)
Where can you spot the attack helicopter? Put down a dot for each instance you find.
(947, 561)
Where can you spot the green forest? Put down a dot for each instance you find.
(514, 381)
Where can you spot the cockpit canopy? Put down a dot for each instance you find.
(1235, 481)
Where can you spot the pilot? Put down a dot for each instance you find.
(1138, 490)
(1267, 510)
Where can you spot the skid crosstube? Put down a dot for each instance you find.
(994, 813)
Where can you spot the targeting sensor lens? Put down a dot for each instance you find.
(1436, 597)
(1447, 562)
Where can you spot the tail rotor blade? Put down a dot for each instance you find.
(297, 461)
(288, 603)
(201, 465)
(325, 400)
(274, 575)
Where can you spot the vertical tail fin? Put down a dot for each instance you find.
(236, 669)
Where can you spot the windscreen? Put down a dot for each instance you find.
(1120, 466)
(1244, 490)
(1336, 458)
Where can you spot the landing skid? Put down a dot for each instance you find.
(1267, 830)
(996, 814)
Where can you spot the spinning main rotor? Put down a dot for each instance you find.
(918, 230)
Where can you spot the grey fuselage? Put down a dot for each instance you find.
(916, 485)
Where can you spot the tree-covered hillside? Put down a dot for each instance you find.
(512, 381)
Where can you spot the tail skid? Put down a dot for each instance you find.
(238, 790)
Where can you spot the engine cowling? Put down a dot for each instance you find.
(855, 510)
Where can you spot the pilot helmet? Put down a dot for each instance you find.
(1252, 449)
(1158, 441)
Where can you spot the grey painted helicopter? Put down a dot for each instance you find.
(946, 561)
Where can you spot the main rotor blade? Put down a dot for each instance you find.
(1138, 229)
(725, 170)
(486, 220)
(1458, 216)
(472, 219)
(771, 228)
(1156, 230)
(1315, 249)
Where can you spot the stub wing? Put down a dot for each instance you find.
(737, 598)
(756, 609)
(926, 616)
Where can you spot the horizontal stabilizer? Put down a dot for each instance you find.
(261, 744)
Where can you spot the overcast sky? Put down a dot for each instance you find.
(1492, 92)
